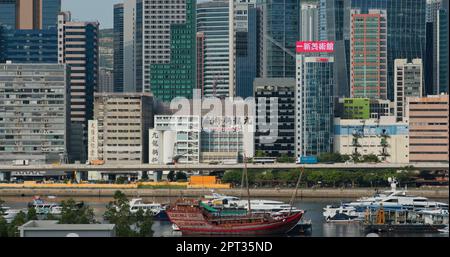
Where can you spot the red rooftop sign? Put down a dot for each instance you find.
(315, 46)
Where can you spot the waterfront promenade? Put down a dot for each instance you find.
(440, 193)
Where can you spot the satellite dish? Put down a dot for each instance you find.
(372, 235)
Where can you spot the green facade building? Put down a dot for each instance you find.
(177, 78)
(356, 108)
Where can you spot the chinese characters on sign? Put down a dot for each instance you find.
(315, 46)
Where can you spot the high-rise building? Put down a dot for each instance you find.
(213, 21)
(437, 48)
(34, 116)
(118, 47)
(428, 128)
(406, 31)
(121, 122)
(29, 46)
(309, 29)
(29, 14)
(275, 119)
(280, 30)
(314, 99)
(334, 23)
(8, 13)
(129, 35)
(105, 80)
(368, 49)
(408, 83)
(78, 48)
(245, 54)
(169, 48)
(200, 62)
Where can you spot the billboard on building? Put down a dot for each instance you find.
(315, 47)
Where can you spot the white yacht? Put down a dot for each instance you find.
(9, 214)
(43, 207)
(257, 205)
(392, 199)
(156, 209)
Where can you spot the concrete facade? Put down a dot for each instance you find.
(119, 131)
(34, 113)
(408, 83)
(384, 137)
(429, 132)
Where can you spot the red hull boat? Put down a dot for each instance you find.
(191, 219)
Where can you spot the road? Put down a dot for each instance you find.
(117, 168)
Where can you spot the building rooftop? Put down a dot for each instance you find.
(53, 225)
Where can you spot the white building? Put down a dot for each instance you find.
(175, 136)
(408, 83)
(384, 137)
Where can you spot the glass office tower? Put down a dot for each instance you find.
(281, 30)
(118, 48)
(406, 30)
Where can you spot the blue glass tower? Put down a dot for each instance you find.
(281, 31)
(246, 56)
(50, 10)
(29, 46)
(8, 13)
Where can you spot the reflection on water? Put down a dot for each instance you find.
(313, 207)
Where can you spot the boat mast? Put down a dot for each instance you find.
(248, 189)
(291, 203)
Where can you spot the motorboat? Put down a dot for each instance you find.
(256, 205)
(43, 208)
(390, 200)
(9, 214)
(157, 210)
(444, 230)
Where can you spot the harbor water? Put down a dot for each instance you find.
(313, 206)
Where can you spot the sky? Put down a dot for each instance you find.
(93, 10)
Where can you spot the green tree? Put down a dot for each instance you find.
(180, 176)
(3, 227)
(128, 224)
(31, 214)
(19, 220)
(171, 176)
(71, 213)
(370, 158)
(232, 176)
(284, 158)
(260, 153)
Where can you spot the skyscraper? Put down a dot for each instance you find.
(245, 54)
(118, 47)
(334, 23)
(169, 48)
(280, 31)
(408, 83)
(132, 46)
(78, 47)
(309, 29)
(406, 30)
(29, 14)
(314, 111)
(34, 116)
(368, 75)
(213, 22)
(437, 48)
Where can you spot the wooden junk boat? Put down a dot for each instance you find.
(193, 218)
